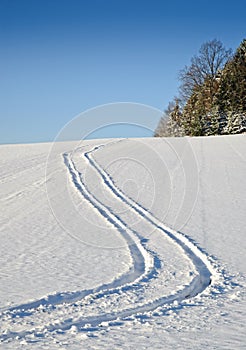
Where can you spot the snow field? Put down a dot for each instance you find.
(123, 255)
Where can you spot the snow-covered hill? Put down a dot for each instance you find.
(123, 243)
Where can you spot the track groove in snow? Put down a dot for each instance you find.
(144, 267)
(199, 258)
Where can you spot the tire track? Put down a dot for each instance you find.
(144, 266)
(206, 271)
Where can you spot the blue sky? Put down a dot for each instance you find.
(62, 57)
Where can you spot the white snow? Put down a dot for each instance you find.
(123, 243)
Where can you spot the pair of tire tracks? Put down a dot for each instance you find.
(144, 267)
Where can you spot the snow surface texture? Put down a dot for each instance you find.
(122, 244)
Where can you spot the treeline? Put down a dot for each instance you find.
(212, 94)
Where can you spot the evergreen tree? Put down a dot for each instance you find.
(170, 123)
(232, 92)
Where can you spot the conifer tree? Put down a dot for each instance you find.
(231, 95)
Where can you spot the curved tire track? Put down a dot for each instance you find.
(143, 264)
(199, 258)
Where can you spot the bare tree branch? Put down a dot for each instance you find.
(210, 60)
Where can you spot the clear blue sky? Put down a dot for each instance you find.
(61, 57)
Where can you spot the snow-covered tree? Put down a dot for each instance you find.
(171, 122)
(231, 96)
